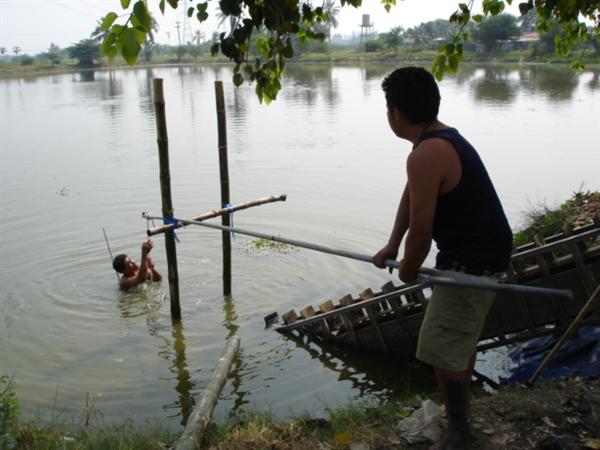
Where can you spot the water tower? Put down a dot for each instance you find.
(367, 31)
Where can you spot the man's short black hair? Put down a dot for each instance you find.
(414, 92)
(119, 263)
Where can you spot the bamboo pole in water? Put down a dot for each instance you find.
(224, 175)
(165, 193)
(200, 418)
(215, 213)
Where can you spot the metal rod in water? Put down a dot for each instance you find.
(426, 275)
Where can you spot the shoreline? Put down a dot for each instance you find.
(338, 58)
(553, 414)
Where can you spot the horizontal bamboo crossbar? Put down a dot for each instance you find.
(213, 213)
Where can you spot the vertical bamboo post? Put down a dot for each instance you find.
(224, 175)
(165, 193)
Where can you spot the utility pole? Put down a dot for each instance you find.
(178, 34)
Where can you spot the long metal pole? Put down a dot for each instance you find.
(165, 191)
(426, 275)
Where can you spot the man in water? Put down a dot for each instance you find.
(449, 198)
(134, 274)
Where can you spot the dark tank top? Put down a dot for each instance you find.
(470, 227)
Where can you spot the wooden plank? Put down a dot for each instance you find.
(289, 317)
(346, 300)
(326, 306)
(373, 319)
(349, 328)
(366, 294)
(524, 309)
(544, 264)
(388, 287)
(307, 312)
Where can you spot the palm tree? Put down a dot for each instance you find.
(16, 50)
(331, 8)
(2, 51)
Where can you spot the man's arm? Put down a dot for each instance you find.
(390, 250)
(426, 168)
(156, 276)
(140, 276)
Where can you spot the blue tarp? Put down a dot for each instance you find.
(579, 355)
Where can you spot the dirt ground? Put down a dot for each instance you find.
(554, 415)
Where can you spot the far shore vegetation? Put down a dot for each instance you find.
(502, 38)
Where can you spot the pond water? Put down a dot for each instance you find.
(78, 153)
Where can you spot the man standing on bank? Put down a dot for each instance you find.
(449, 198)
(133, 274)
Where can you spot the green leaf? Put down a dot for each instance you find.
(141, 13)
(477, 18)
(140, 35)
(190, 11)
(125, 4)
(161, 6)
(262, 47)
(202, 13)
(129, 45)
(173, 3)
(579, 66)
(525, 7)
(238, 79)
(108, 21)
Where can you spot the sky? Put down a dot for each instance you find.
(34, 24)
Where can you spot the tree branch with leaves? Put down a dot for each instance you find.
(277, 21)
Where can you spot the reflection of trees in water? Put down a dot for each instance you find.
(145, 302)
(303, 83)
(112, 90)
(464, 75)
(594, 82)
(179, 368)
(87, 76)
(146, 97)
(494, 86)
(378, 375)
(375, 71)
(558, 83)
(234, 376)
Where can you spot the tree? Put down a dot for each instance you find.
(86, 52)
(282, 20)
(54, 53)
(16, 50)
(331, 10)
(393, 38)
(2, 51)
(493, 30)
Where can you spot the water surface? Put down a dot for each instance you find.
(78, 153)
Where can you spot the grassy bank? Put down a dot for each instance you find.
(581, 209)
(559, 414)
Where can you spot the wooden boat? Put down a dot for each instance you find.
(389, 320)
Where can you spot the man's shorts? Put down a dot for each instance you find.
(451, 326)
